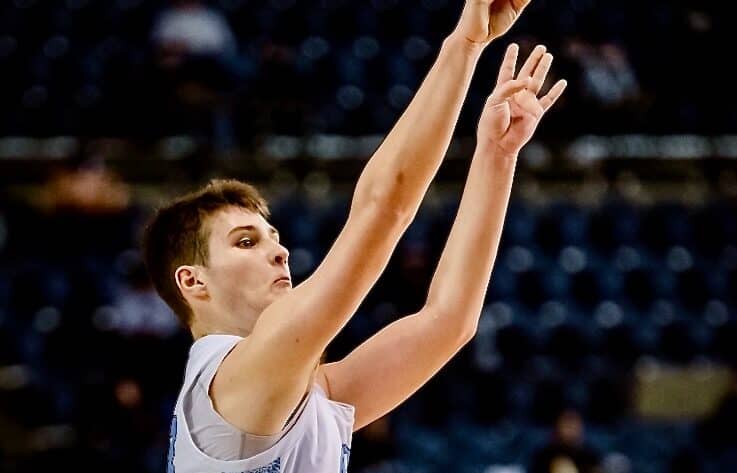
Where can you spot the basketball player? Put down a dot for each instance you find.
(255, 397)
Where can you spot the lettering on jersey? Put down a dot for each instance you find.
(345, 454)
(273, 467)
(172, 441)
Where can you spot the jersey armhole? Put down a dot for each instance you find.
(206, 383)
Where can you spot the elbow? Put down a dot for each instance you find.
(391, 211)
(457, 324)
(396, 195)
(465, 330)
(468, 331)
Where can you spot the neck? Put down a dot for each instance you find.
(202, 326)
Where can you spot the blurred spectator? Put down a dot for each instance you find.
(79, 211)
(567, 451)
(188, 27)
(86, 190)
(197, 53)
(93, 203)
(607, 74)
(137, 309)
(607, 81)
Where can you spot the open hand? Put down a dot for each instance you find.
(512, 111)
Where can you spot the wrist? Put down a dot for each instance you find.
(460, 43)
(498, 157)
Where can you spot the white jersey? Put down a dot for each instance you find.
(316, 440)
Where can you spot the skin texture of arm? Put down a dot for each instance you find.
(394, 363)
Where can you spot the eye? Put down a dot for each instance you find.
(246, 242)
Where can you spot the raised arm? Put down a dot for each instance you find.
(271, 369)
(462, 276)
(401, 169)
(395, 362)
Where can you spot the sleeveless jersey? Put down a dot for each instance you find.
(317, 440)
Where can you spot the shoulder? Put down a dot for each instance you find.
(214, 342)
(208, 352)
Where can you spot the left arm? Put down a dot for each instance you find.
(390, 366)
(386, 369)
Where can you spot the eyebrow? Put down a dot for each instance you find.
(272, 230)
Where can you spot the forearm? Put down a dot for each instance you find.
(401, 169)
(459, 285)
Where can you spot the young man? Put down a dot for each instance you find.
(255, 398)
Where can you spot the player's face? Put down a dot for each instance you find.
(246, 261)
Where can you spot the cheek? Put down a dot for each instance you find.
(239, 271)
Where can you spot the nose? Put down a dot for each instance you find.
(281, 256)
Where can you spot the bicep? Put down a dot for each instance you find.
(387, 368)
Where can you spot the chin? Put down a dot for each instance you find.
(280, 292)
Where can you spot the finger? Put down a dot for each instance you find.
(553, 95)
(531, 63)
(507, 90)
(506, 72)
(541, 72)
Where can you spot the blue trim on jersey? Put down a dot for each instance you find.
(172, 441)
(345, 454)
(273, 467)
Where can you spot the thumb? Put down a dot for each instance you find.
(518, 5)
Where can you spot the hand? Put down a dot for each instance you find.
(483, 20)
(512, 111)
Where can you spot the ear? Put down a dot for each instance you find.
(191, 282)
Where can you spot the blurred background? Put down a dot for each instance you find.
(608, 341)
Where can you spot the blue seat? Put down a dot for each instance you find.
(619, 344)
(516, 344)
(665, 225)
(694, 287)
(587, 288)
(612, 225)
(568, 344)
(676, 342)
(537, 286)
(724, 343)
(712, 229)
(559, 225)
(639, 288)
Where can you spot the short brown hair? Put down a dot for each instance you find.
(178, 233)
